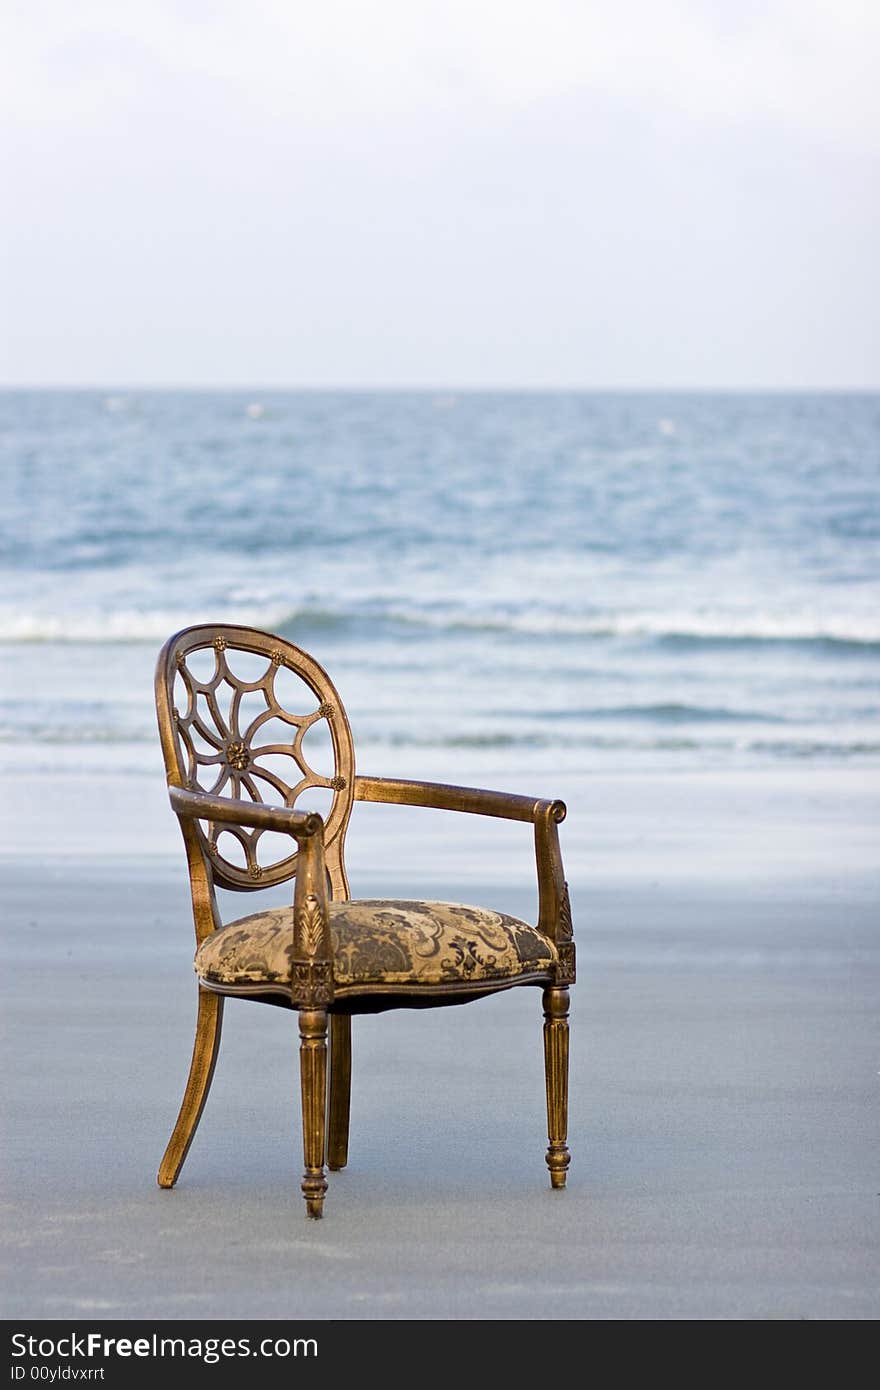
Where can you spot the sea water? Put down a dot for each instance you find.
(523, 580)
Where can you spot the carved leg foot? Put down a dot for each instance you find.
(204, 1058)
(556, 1074)
(313, 1078)
(340, 1090)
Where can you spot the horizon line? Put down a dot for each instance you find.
(428, 388)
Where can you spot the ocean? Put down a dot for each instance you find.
(521, 581)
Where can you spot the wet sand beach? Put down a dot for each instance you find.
(724, 1115)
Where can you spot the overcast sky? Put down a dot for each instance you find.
(619, 193)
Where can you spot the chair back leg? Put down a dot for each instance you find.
(209, 1021)
(556, 1075)
(340, 1090)
(313, 1079)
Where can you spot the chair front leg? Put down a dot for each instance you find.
(340, 1090)
(313, 1079)
(556, 1074)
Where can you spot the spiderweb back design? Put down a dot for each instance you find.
(230, 731)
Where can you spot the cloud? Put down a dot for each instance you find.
(809, 64)
(532, 191)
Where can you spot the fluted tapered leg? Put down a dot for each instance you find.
(556, 1074)
(313, 1078)
(205, 1048)
(340, 1090)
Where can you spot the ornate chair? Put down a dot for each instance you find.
(236, 764)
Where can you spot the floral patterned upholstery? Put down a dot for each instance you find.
(379, 943)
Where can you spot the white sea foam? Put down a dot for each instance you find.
(757, 625)
(747, 625)
(122, 624)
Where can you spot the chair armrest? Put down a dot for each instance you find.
(302, 825)
(445, 798)
(554, 910)
(312, 946)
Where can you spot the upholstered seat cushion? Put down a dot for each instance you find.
(379, 943)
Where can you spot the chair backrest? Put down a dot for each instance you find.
(226, 699)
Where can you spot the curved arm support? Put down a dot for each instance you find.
(552, 889)
(311, 975)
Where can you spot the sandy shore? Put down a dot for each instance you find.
(724, 1098)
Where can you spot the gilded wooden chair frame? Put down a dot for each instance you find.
(192, 744)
